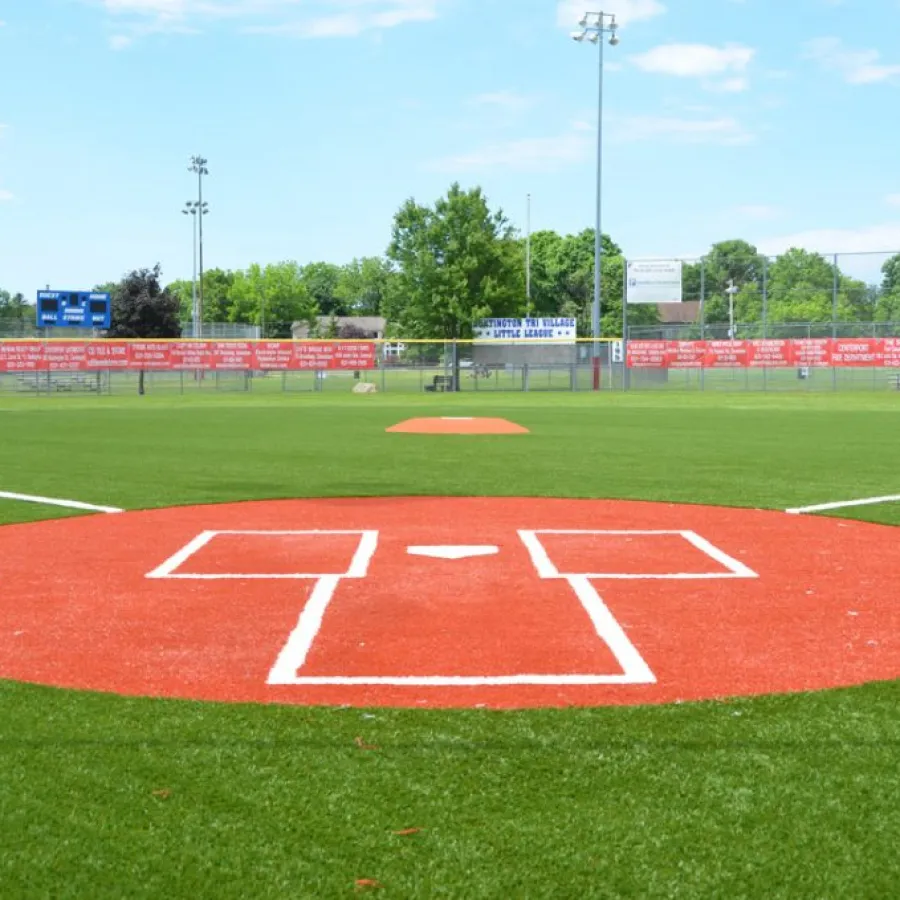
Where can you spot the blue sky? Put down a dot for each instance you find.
(771, 120)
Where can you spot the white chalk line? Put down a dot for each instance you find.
(843, 504)
(56, 501)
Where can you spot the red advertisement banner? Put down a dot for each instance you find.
(686, 354)
(892, 353)
(812, 352)
(857, 352)
(769, 354)
(22, 356)
(648, 354)
(244, 356)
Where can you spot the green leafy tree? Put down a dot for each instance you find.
(17, 315)
(362, 286)
(322, 280)
(563, 281)
(142, 308)
(274, 296)
(801, 288)
(216, 303)
(458, 261)
(732, 260)
(887, 307)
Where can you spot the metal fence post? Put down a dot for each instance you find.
(702, 314)
(625, 374)
(834, 298)
(765, 297)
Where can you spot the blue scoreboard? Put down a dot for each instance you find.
(73, 309)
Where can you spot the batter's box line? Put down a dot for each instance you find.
(290, 661)
(358, 568)
(546, 569)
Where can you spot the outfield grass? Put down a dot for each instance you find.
(773, 797)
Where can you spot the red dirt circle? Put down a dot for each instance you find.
(445, 602)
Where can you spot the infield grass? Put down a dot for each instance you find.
(794, 796)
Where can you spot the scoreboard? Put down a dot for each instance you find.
(73, 309)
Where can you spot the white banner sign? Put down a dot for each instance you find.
(518, 329)
(655, 281)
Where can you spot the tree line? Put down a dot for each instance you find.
(457, 260)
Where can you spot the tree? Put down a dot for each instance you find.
(891, 272)
(457, 262)
(16, 313)
(216, 303)
(563, 281)
(801, 287)
(141, 308)
(321, 280)
(275, 296)
(732, 260)
(362, 286)
(887, 305)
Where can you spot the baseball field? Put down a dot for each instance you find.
(261, 645)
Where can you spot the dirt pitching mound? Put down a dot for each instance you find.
(457, 425)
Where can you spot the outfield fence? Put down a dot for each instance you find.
(102, 367)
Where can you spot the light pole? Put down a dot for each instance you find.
(731, 290)
(191, 208)
(198, 167)
(594, 27)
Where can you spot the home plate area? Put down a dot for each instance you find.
(450, 602)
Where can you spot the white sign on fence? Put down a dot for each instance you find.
(654, 281)
(518, 329)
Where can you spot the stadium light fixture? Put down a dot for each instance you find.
(199, 166)
(594, 27)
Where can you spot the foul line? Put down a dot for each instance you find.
(843, 504)
(54, 501)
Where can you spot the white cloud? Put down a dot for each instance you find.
(718, 130)
(874, 239)
(509, 101)
(855, 66)
(577, 145)
(524, 155)
(728, 86)
(297, 18)
(695, 60)
(120, 41)
(758, 211)
(569, 12)
(5, 196)
(893, 200)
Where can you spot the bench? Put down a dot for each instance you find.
(441, 383)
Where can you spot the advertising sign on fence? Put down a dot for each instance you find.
(654, 281)
(768, 354)
(560, 329)
(241, 356)
(857, 352)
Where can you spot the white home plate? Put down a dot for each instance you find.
(454, 552)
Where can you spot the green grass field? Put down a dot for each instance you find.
(793, 796)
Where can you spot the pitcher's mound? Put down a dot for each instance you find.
(457, 425)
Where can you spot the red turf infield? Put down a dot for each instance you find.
(449, 602)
